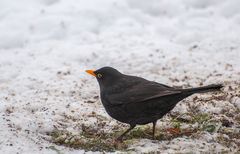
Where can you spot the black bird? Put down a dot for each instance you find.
(137, 101)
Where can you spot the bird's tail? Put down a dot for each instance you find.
(214, 87)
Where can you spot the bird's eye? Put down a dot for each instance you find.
(99, 75)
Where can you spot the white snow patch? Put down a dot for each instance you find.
(46, 45)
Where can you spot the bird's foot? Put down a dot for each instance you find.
(119, 139)
(117, 142)
(153, 138)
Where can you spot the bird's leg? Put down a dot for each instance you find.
(153, 132)
(123, 134)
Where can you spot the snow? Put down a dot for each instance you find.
(46, 45)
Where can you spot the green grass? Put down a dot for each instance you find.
(95, 139)
(92, 140)
(89, 140)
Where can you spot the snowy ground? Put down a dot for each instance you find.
(46, 45)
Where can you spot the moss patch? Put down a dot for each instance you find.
(94, 140)
(87, 140)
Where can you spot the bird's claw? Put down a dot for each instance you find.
(119, 139)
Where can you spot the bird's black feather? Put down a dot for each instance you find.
(134, 100)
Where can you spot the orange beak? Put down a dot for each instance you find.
(91, 72)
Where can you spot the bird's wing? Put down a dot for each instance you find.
(139, 92)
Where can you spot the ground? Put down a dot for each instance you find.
(48, 104)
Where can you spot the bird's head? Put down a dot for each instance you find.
(106, 76)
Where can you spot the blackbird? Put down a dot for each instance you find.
(137, 101)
